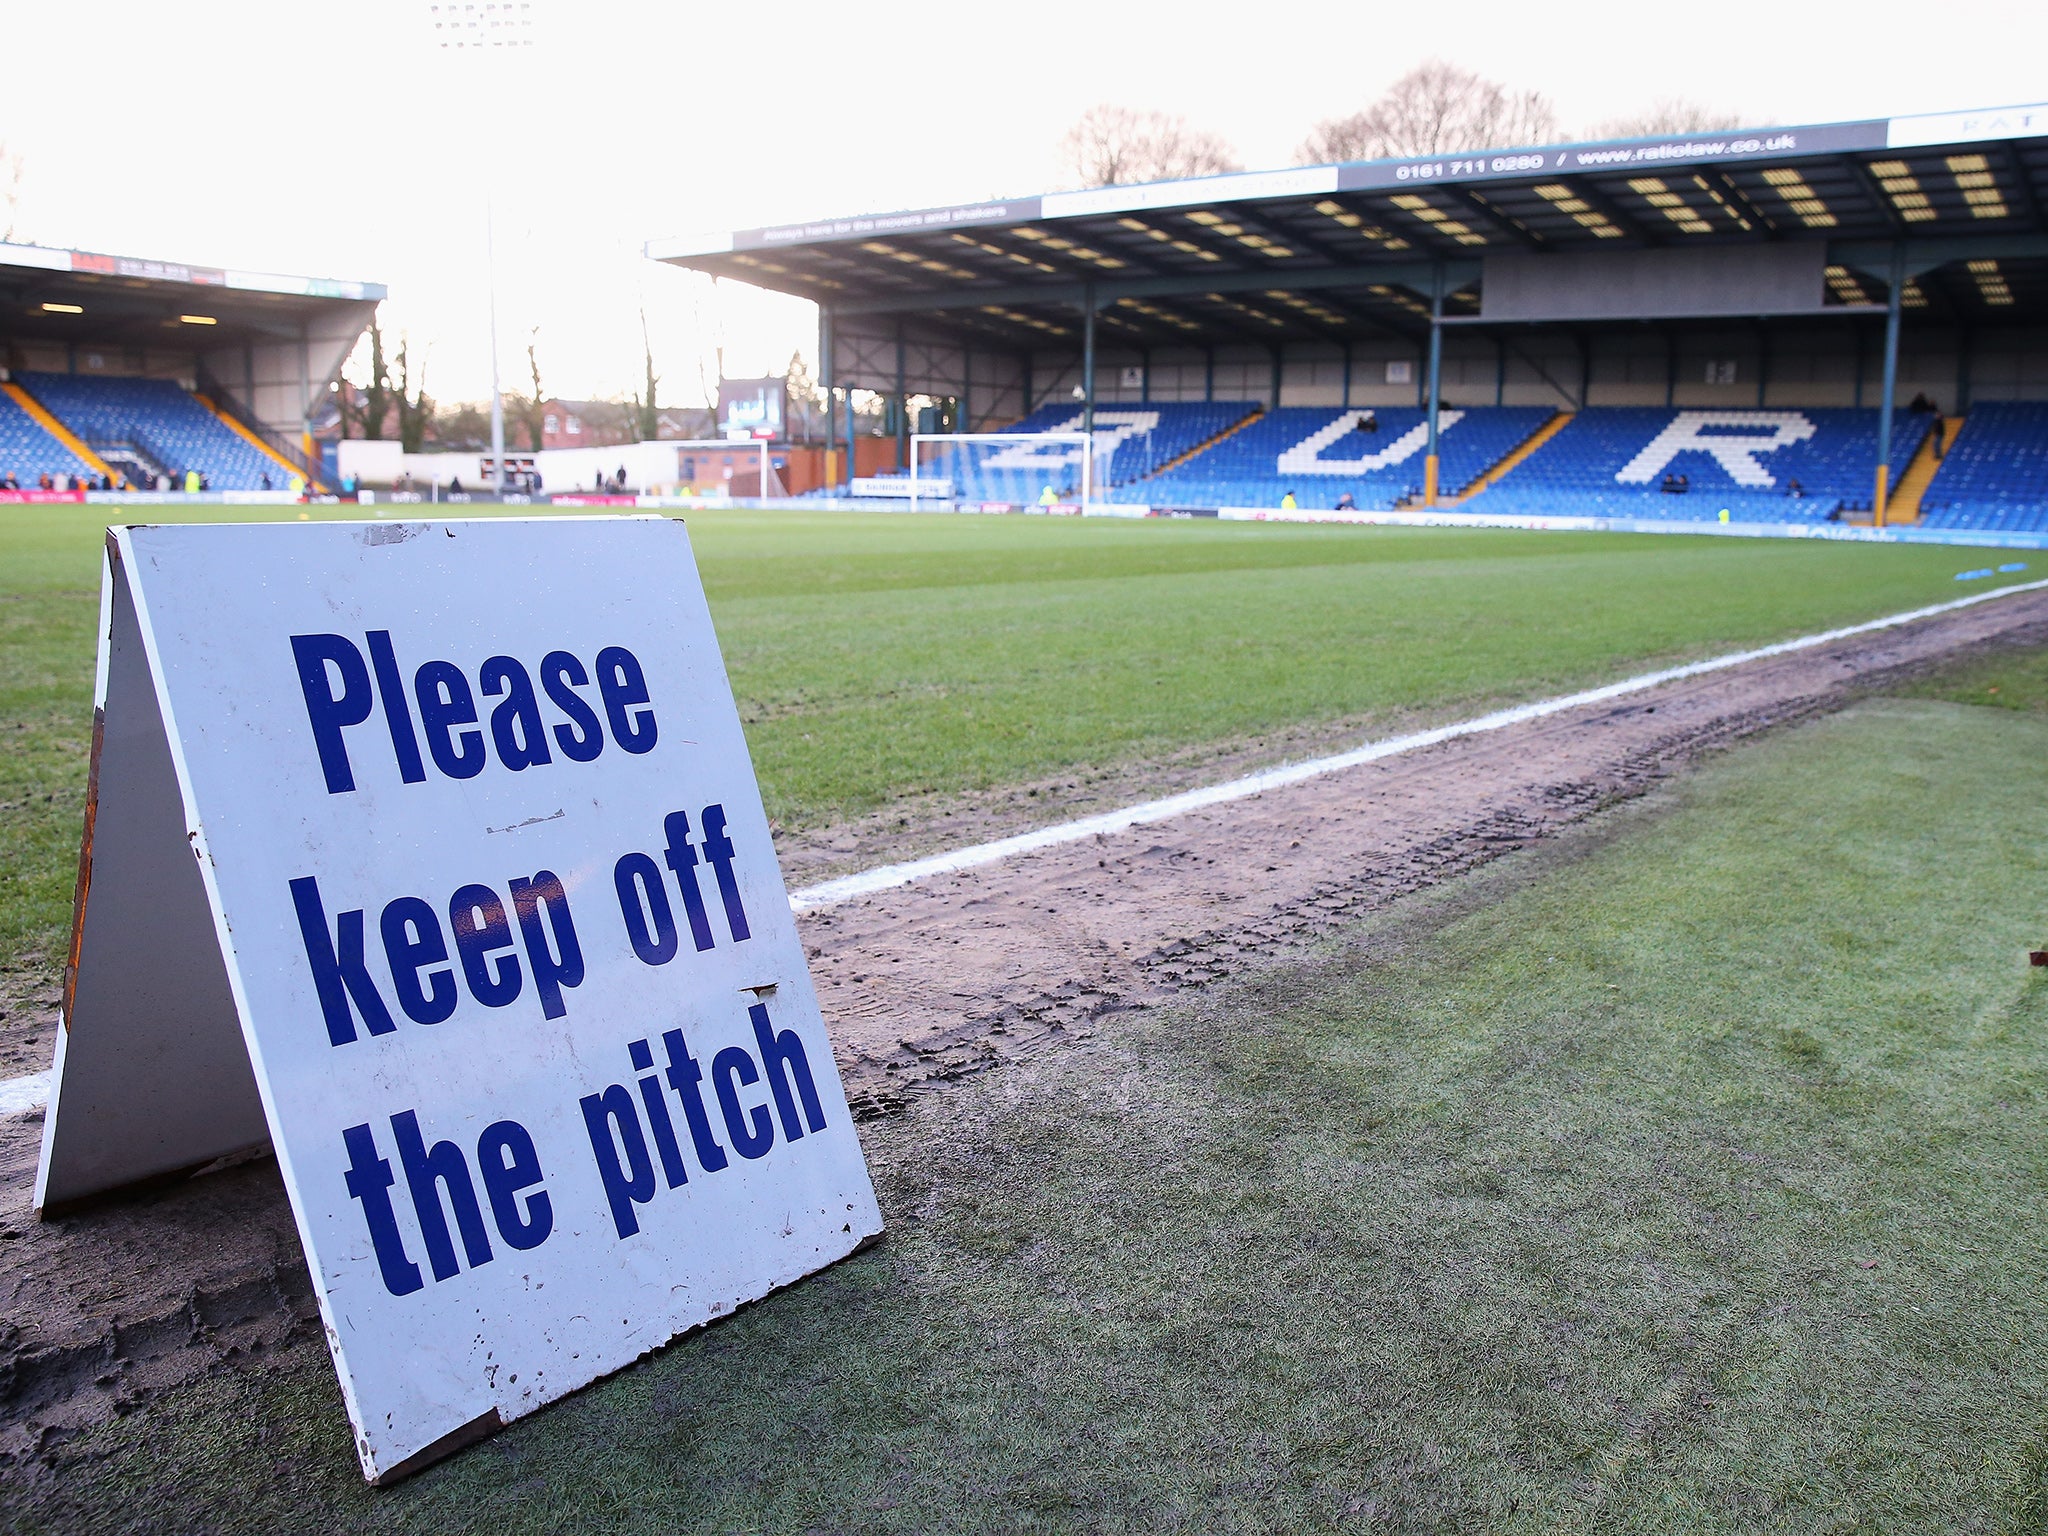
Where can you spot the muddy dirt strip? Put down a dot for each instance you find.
(926, 984)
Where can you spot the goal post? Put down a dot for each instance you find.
(1048, 458)
(765, 476)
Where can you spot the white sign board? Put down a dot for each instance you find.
(900, 486)
(432, 853)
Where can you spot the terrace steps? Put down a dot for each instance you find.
(241, 430)
(1905, 501)
(1521, 451)
(1203, 447)
(50, 424)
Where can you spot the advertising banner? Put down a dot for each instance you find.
(431, 854)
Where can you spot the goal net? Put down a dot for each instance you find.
(1020, 469)
(720, 466)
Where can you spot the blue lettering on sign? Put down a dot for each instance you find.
(619, 1138)
(341, 688)
(438, 1184)
(492, 961)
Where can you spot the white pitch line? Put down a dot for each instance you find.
(889, 876)
(25, 1095)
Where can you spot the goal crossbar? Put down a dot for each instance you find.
(1084, 440)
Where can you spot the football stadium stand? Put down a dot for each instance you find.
(28, 451)
(1995, 476)
(1775, 466)
(1746, 313)
(140, 368)
(1317, 454)
(148, 427)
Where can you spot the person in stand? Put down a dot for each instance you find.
(534, 480)
(1369, 422)
(1289, 504)
(9, 483)
(1346, 503)
(1046, 498)
(1795, 490)
(191, 482)
(455, 485)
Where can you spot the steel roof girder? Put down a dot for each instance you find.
(1413, 275)
(1873, 258)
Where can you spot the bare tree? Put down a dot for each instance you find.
(531, 409)
(1666, 116)
(1435, 109)
(808, 409)
(375, 396)
(12, 169)
(1113, 146)
(646, 414)
(415, 408)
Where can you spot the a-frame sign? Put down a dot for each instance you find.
(431, 854)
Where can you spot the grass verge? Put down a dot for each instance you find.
(1681, 1175)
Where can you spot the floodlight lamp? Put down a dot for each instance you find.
(197, 320)
(63, 309)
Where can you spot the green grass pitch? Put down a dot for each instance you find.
(878, 656)
(1681, 1175)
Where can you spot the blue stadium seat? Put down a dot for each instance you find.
(1995, 477)
(1320, 452)
(162, 420)
(1613, 461)
(27, 451)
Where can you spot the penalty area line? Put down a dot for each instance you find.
(29, 1094)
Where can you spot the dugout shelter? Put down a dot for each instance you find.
(1841, 264)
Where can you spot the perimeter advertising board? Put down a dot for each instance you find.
(431, 852)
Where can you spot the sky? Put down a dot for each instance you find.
(336, 140)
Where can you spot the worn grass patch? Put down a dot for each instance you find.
(1998, 677)
(1681, 1175)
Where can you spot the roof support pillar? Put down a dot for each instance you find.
(902, 406)
(1088, 361)
(852, 454)
(825, 377)
(1670, 369)
(1893, 296)
(1347, 373)
(1277, 359)
(306, 406)
(1500, 372)
(1763, 366)
(1436, 369)
(1209, 375)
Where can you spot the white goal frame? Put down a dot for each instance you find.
(1086, 440)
